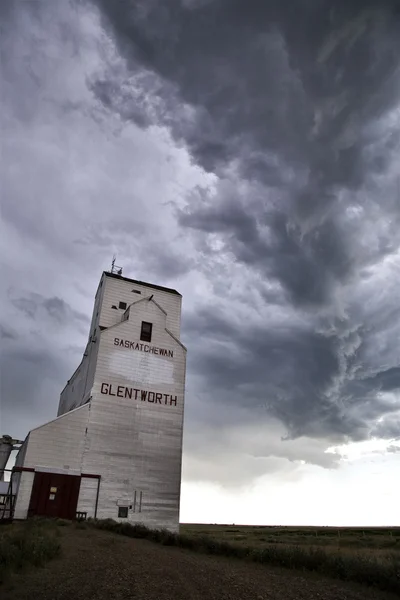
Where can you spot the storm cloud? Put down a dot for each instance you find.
(245, 153)
(292, 111)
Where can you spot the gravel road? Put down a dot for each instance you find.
(98, 565)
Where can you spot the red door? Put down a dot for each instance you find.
(54, 495)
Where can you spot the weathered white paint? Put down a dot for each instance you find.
(23, 495)
(134, 445)
(87, 496)
(142, 366)
(51, 447)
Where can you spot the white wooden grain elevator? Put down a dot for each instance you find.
(115, 448)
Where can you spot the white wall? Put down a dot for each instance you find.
(87, 496)
(23, 495)
(19, 462)
(137, 445)
(110, 292)
(79, 387)
(118, 290)
(134, 444)
(96, 307)
(58, 444)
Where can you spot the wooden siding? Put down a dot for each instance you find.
(134, 444)
(23, 495)
(118, 290)
(60, 443)
(87, 496)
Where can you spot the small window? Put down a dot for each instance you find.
(122, 305)
(122, 512)
(145, 334)
(136, 291)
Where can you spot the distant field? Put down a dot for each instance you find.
(377, 540)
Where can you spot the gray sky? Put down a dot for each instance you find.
(245, 153)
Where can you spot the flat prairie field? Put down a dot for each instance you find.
(377, 540)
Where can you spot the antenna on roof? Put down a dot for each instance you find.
(114, 269)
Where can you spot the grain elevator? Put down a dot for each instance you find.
(115, 448)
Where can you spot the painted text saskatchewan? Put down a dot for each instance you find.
(143, 347)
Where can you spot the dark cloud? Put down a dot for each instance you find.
(37, 359)
(263, 81)
(30, 385)
(56, 309)
(388, 380)
(389, 426)
(6, 333)
(289, 372)
(290, 111)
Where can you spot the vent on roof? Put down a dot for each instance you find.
(136, 291)
(102, 328)
(122, 305)
(113, 306)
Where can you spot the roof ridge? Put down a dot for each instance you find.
(150, 285)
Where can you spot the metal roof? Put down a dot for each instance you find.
(149, 285)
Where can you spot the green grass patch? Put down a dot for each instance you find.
(381, 572)
(31, 543)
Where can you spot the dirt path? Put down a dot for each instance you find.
(98, 565)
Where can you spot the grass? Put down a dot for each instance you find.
(31, 543)
(367, 556)
(369, 539)
(378, 570)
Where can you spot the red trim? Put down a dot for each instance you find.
(19, 469)
(32, 470)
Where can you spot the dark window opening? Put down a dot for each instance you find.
(122, 305)
(136, 291)
(123, 512)
(145, 333)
